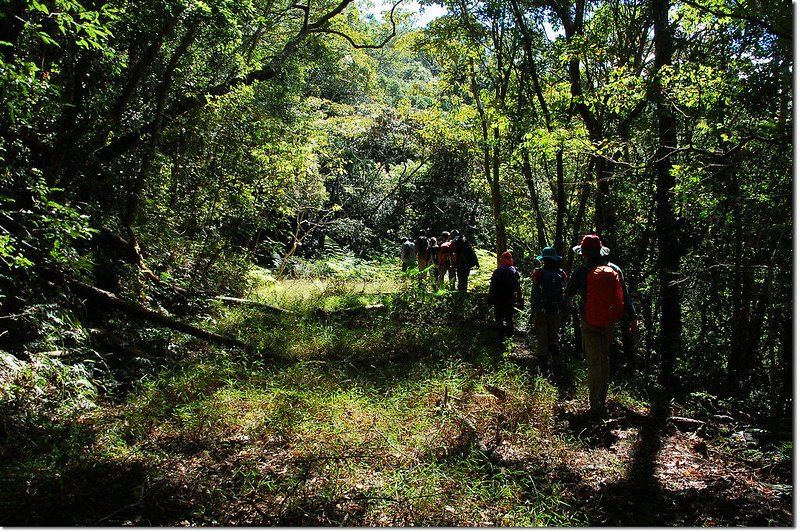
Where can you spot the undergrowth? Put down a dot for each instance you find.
(398, 408)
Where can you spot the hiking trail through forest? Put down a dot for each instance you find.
(390, 430)
(672, 476)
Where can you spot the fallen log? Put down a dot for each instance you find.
(685, 423)
(138, 311)
(252, 303)
(351, 311)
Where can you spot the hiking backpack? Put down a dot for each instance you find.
(604, 304)
(446, 253)
(407, 250)
(433, 251)
(421, 245)
(503, 284)
(465, 253)
(548, 295)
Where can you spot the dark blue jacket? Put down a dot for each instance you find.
(504, 286)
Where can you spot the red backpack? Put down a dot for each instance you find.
(604, 301)
(446, 253)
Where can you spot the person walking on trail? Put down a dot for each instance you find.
(604, 300)
(433, 258)
(446, 261)
(406, 253)
(421, 252)
(505, 293)
(547, 304)
(465, 259)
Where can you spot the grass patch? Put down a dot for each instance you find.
(410, 414)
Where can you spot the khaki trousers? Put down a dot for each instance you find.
(546, 327)
(597, 347)
(422, 263)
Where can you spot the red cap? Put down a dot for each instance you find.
(591, 245)
(591, 241)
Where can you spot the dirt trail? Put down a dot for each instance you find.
(633, 470)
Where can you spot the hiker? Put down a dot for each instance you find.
(445, 261)
(547, 304)
(433, 258)
(421, 252)
(406, 253)
(604, 301)
(465, 259)
(505, 293)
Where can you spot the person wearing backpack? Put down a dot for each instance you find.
(505, 293)
(465, 259)
(547, 304)
(433, 258)
(421, 252)
(406, 253)
(604, 300)
(446, 261)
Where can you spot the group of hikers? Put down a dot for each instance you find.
(603, 301)
(450, 254)
(599, 284)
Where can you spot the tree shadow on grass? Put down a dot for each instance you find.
(637, 499)
(202, 482)
(94, 494)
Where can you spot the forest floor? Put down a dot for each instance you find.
(373, 420)
(676, 471)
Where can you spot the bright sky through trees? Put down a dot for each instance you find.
(424, 14)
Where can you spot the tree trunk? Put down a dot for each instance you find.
(497, 197)
(561, 203)
(135, 192)
(784, 372)
(560, 196)
(527, 173)
(669, 249)
(604, 221)
(491, 164)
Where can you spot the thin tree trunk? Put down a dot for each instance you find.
(560, 196)
(561, 202)
(490, 167)
(138, 70)
(527, 173)
(669, 250)
(136, 191)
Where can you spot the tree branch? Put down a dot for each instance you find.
(192, 102)
(778, 32)
(373, 46)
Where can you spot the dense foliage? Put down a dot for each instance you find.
(151, 152)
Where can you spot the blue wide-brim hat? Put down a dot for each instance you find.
(550, 252)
